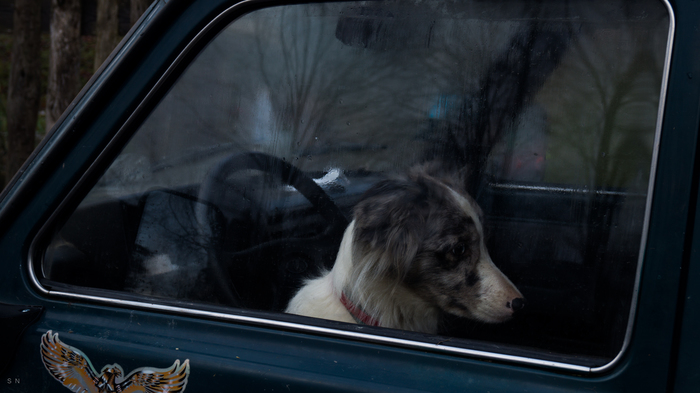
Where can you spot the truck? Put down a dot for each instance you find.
(209, 169)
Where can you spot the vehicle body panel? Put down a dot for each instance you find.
(250, 356)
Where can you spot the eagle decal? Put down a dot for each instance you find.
(73, 369)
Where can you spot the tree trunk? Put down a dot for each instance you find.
(23, 92)
(106, 30)
(138, 7)
(64, 58)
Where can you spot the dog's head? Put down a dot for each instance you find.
(425, 233)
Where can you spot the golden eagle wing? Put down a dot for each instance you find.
(154, 380)
(67, 364)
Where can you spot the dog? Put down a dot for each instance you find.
(414, 249)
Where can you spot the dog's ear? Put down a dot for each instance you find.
(389, 222)
(456, 178)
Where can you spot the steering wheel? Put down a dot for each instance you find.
(272, 257)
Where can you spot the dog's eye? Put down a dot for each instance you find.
(459, 249)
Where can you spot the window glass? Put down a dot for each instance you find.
(451, 134)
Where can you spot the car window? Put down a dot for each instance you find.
(479, 170)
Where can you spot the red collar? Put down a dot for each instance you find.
(357, 314)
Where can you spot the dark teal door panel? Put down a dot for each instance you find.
(227, 355)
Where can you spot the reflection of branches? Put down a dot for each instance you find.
(318, 86)
(614, 97)
(178, 223)
(297, 81)
(607, 113)
(509, 82)
(602, 125)
(169, 226)
(301, 72)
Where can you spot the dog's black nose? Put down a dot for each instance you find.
(517, 304)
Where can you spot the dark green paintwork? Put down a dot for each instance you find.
(687, 377)
(238, 358)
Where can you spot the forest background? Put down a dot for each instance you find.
(49, 49)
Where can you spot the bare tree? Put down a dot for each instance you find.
(64, 67)
(106, 30)
(23, 95)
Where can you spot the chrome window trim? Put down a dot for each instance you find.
(557, 189)
(258, 4)
(322, 330)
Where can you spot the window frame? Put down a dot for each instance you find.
(285, 321)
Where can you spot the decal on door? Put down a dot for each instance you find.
(73, 369)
